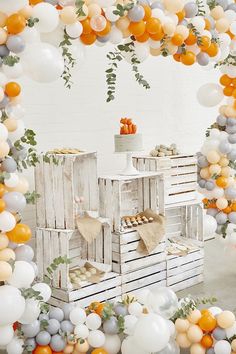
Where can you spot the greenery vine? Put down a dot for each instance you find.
(201, 8)
(121, 10)
(54, 266)
(69, 61)
(31, 197)
(10, 60)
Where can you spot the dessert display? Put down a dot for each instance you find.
(128, 140)
(133, 221)
(164, 150)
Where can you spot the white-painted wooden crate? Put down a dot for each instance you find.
(180, 175)
(126, 259)
(59, 185)
(185, 221)
(52, 243)
(128, 195)
(108, 289)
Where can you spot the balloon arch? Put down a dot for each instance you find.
(39, 38)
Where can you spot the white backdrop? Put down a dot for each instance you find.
(81, 118)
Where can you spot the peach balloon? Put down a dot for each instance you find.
(155, 52)
(213, 156)
(223, 162)
(222, 109)
(214, 169)
(7, 254)
(123, 23)
(23, 185)
(183, 340)
(194, 334)
(3, 36)
(68, 15)
(197, 349)
(221, 203)
(169, 28)
(5, 271)
(204, 173)
(230, 112)
(226, 171)
(4, 241)
(172, 49)
(194, 316)
(10, 124)
(126, 33)
(226, 319)
(82, 347)
(94, 10)
(3, 19)
(233, 345)
(183, 30)
(217, 12)
(69, 349)
(182, 325)
(4, 149)
(173, 6)
(26, 12)
(222, 25)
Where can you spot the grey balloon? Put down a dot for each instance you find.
(15, 201)
(67, 326)
(67, 308)
(202, 183)
(9, 165)
(232, 155)
(56, 313)
(184, 23)
(144, 2)
(212, 212)
(136, 14)
(210, 185)
(210, 351)
(203, 59)
(190, 9)
(4, 102)
(19, 154)
(52, 2)
(221, 218)
(103, 39)
(31, 330)
(57, 343)
(219, 333)
(232, 217)
(4, 51)
(15, 44)
(219, 230)
(53, 326)
(231, 121)
(230, 129)
(121, 310)
(157, 5)
(24, 253)
(111, 326)
(13, 245)
(43, 338)
(221, 120)
(232, 7)
(34, 265)
(232, 138)
(223, 3)
(225, 147)
(202, 161)
(30, 343)
(230, 193)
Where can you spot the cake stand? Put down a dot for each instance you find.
(129, 169)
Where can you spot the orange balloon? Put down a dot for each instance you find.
(35, 2)
(57, 353)
(12, 89)
(137, 28)
(188, 58)
(207, 24)
(45, 349)
(205, 43)
(2, 189)
(233, 206)
(207, 341)
(143, 38)
(207, 323)
(2, 205)
(181, 15)
(177, 39)
(177, 57)
(192, 39)
(227, 210)
(225, 80)
(228, 91)
(99, 351)
(157, 36)
(233, 82)
(222, 182)
(213, 50)
(15, 23)
(86, 26)
(153, 26)
(147, 11)
(106, 30)
(20, 234)
(89, 38)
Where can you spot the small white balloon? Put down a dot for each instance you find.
(47, 15)
(44, 289)
(16, 346)
(135, 309)
(74, 30)
(6, 335)
(112, 344)
(81, 331)
(12, 181)
(96, 339)
(23, 275)
(7, 221)
(93, 321)
(78, 315)
(210, 95)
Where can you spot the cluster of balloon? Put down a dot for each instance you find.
(209, 331)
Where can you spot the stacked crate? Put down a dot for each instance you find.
(68, 185)
(121, 196)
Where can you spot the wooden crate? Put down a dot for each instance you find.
(180, 175)
(185, 221)
(60, 184)
(52, 243)
(108, 289)
(129, 195)
(126, 259)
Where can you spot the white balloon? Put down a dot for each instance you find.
(77, 315)
(23, 275)
(198, 22)
(142, 296)
(74, 30)
(3, 79)
(129, 324)
(93, 321)
(210, 95)
(154, 44)
(30, 35)
(112, 344)
(81, 331)
(55, 37)
(135, 309)
(43, 62)
(14, 71)
(105, 3)
(10, 6)
(16, 111)
(224, 39)
(222, 347)
(129, 346)
(230, 15)
(214, 133)
(3, 132)
(214, 310)
(210, 225)
(142, 51)
(48, 17)
(16, 346)
(218, 192)
(96, 339)
(31, 313)
(12, 181)
(233, 27)
(44, 289)
(230, 332)
(6, 335)
(115, 35)
(158, 13)
(110, 15)
(12, 305)
(7, 221)
(20, 130)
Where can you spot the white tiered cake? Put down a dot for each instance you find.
(128, 143)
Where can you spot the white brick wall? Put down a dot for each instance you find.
(81, 118)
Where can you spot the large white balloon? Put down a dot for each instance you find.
(31, 312)
(48, 17)
(7, 221)
(129, 346)
(6, 335)
(23, 275)
(44, 289)
(151, 333)
(112, 343)
(43, 62)
(12, 305)
(16, 346)
(210, 95)
(10, 6)
(209, 226)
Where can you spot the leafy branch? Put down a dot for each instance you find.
(31, 197)
(32, 21)
(30, 293)
(212, 4)
(164, 50)
(196, 33)
(10, 60)
(230, 60)
(121, 10)
(54, 266)
(79, 8)
(201, 8)
(49, 158)
(69, 61)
